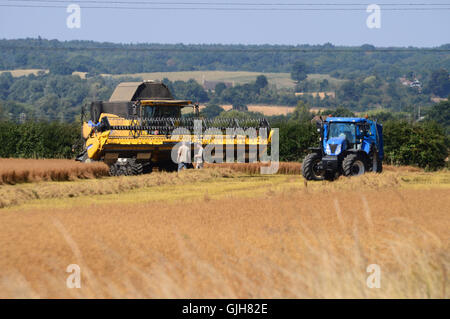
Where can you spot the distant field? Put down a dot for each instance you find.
(322, 95)
(321, 77)
(281, 80)
(236, 77)
(267, 110)
(22, 72)
(80, 74)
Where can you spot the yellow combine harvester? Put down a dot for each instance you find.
(141, 123)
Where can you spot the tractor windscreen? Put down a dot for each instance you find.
(347, 130)
(161, 111)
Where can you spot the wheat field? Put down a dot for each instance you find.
(225, 232)
(16, 170)
(267, 110)
(24, 72)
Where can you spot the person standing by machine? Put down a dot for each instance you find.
(198, 157)
(183, 157)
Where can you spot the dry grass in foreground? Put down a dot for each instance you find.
(13, 170)
(290, 244)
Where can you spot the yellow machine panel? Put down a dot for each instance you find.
(134, 135)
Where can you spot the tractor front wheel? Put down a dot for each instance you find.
(310, 169)
(353, 165)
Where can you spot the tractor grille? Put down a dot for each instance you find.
(333, 147)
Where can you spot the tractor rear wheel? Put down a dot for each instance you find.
(380, 167)
(379, 163)
(353, 165)
(136, 167)
(376, 165)
(310, 170)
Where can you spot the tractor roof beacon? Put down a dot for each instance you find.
(349, 146)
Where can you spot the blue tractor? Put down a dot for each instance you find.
(349, 146)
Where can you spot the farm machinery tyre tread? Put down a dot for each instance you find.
(308, 167)
(380, 167)
(130, 168)
(379, 163)
(113, 170)
(136, 167)
(349, 163)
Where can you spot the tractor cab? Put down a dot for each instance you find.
(341, 134)
(139, 100)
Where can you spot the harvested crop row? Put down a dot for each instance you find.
(223, 181)
(292, 168)
(20, 194)
(13, 171)
(287, 168)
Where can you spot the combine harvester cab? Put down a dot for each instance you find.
(139, 126)
(349, 147)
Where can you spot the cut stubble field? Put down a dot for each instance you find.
(228, 232)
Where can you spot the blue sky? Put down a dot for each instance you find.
(398, 28)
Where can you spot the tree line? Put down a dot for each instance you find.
(423, 144)
(60, 97)
(39, 139)
(64, 57)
